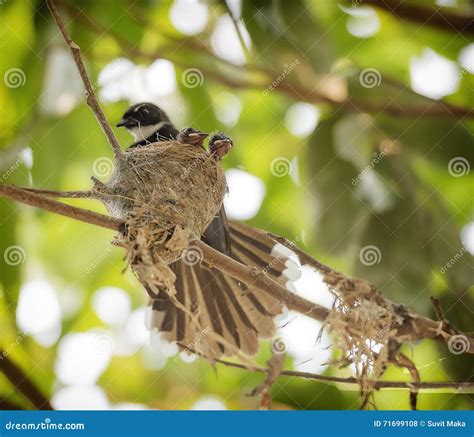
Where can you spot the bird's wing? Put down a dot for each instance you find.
(217, 233)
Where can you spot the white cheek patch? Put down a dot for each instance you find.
(141, 133)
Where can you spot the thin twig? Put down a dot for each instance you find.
(404, 362)
(91, 99)
(62, 194)
(22, 383)
(235, 22)
(461, 386)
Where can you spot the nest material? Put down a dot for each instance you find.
(167, 193)
(365, 326)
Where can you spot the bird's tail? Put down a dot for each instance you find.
(212, 313)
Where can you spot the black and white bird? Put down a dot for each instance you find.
(221, 303)
(148, 124)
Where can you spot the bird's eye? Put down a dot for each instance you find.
(145, 111)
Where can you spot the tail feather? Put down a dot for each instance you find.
(221, 314)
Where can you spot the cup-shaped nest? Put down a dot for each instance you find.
(162, 188)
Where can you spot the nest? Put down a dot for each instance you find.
(167, 193)
(365, 326)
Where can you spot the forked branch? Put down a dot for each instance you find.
(91, 98)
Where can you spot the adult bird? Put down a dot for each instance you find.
(214, 302)
(148, 124)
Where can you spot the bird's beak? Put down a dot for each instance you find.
(220, 143)
(198, 135)
(127, 122)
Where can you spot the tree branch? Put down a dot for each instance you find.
(434, 16)
(40, 201)
(462, 386)
(211, 256)
(420, 327)
(291, 89)
(22, 383)
(7, 405)
(262, 282)
(91, 99)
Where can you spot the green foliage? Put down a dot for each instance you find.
(416, 228)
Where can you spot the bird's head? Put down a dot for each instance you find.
(220, 144)
(192, 136)
(143, 119)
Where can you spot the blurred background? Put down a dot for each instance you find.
(352, 137)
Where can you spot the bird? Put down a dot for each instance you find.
(192, 136)
(224, 306)
(220, 144)
(148, 124)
